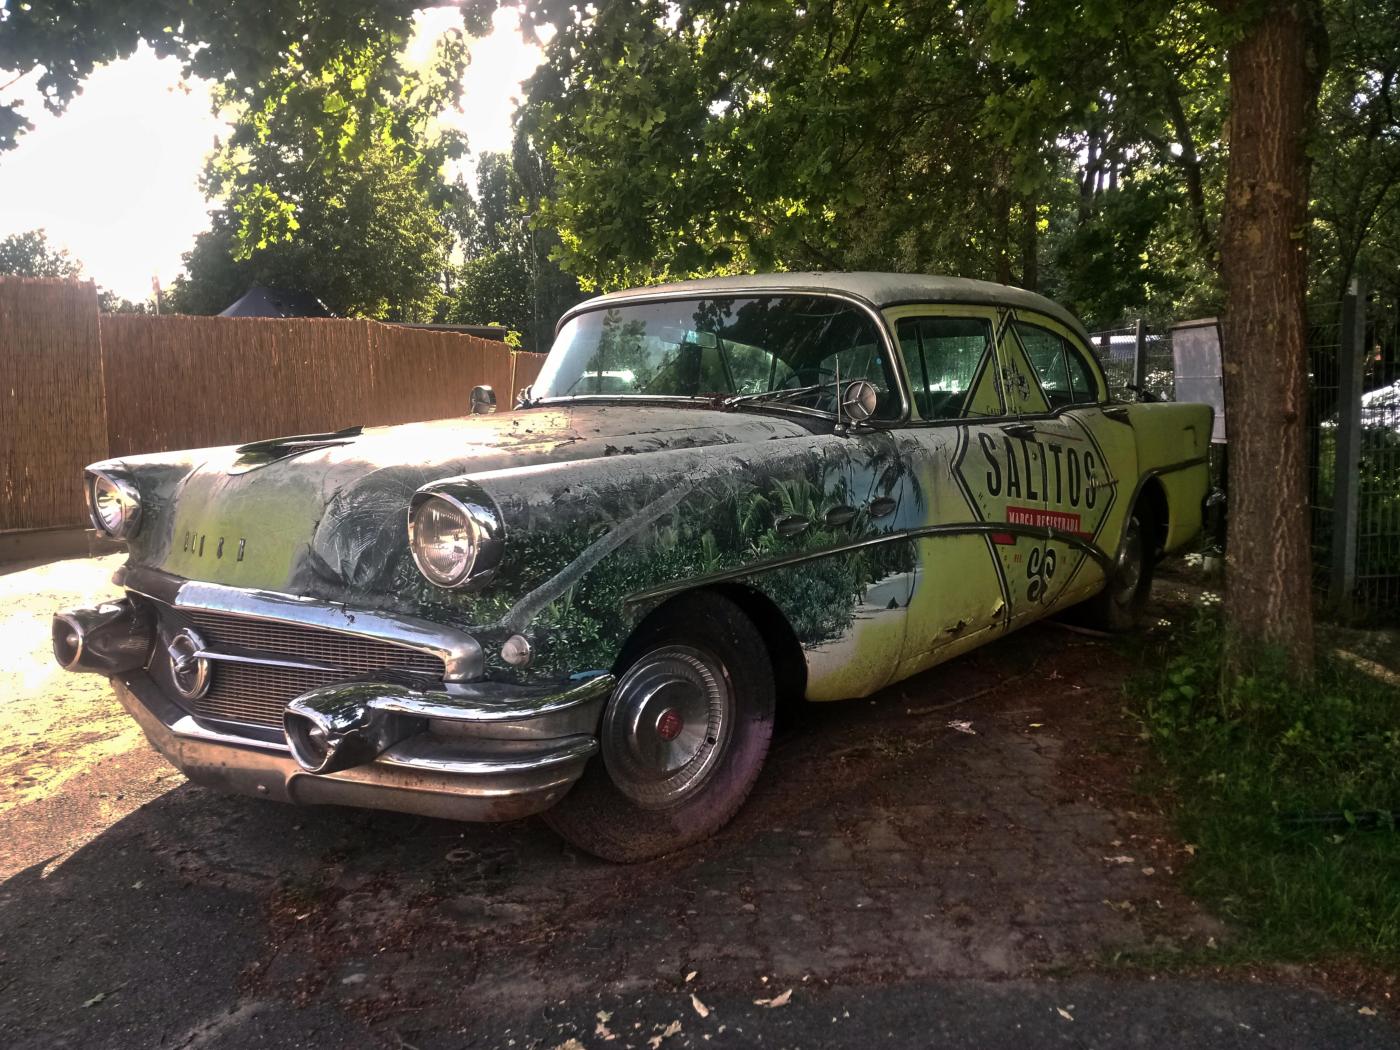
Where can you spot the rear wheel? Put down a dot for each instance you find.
(683, 737)
(1120, 605)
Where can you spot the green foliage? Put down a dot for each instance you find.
(1289, 793)
(507, 276)
(30, 254)
(971, 139)
(331, 183)
(1356, 152)
(244, 43)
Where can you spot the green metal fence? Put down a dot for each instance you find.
(1353, 441)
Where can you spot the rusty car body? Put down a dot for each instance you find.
(718, 492)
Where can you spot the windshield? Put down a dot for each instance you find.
(718, 348)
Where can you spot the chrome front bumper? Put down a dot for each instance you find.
(435, 774)
(465, 750)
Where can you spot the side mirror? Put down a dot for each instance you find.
(483, 401)
(859, 400)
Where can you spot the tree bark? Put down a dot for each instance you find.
(1030, 244)
(1274, 80)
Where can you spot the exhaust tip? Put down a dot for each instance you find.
(68, 636)
(309, 737)
(111, 638)
(336, 727)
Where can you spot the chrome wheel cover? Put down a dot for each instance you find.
(667, 725)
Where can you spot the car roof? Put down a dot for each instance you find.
(879, 290)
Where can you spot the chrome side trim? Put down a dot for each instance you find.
(186, 727)
(267, 661)
(1035, 532)
(458, 707)
(425, 753)
(460, 652)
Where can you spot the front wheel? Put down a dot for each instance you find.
(1120, 605)
(683, 737)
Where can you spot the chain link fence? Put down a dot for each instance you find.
(1353, 438)
(1137, 357)
(1378, 475)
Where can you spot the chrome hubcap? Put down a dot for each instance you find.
(667, 725)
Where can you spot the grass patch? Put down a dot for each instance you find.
(1289, 794)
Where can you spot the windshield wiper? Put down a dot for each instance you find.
(780, 394)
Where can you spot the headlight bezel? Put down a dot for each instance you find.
(485, 536)
(128, 498)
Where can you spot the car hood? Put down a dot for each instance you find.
(333, 510)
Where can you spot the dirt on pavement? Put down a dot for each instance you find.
(975, 824)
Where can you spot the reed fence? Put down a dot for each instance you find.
(78, 386)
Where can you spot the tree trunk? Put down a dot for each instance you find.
(1030, 244)
(1274, 80)
(1003, 234)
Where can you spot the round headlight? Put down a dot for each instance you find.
(444, 540)
(115, 505)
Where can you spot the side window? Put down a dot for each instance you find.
(943, 356)
(1082, 383)
(1046, 352)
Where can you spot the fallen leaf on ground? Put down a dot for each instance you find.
(670, 1030)
(691, 976)
(570, 1044)
(1366, 1011)
(962, 726)
(95, 999)
(700, 1008)
(605, 1016)
(777, 1000)
(1064, 1013)
(1119, 860)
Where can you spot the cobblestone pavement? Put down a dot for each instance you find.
(974, 824)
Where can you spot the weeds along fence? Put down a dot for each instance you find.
(1353, 441)
(79, 386)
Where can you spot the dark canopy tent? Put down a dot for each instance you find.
(258, 301)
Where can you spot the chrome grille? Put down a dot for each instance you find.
(257, 694)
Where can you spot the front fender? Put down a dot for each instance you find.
(593, 547)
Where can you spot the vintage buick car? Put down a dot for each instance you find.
(718, 493)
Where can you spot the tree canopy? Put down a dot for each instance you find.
(240, 44)
(29, 254)
(508, 276)
(333, 184)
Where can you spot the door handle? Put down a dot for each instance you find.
(1020, 430)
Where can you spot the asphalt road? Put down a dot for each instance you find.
(895, 880)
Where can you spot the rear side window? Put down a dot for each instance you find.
(1082, 382)
(1065, 376)
(943, 356)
